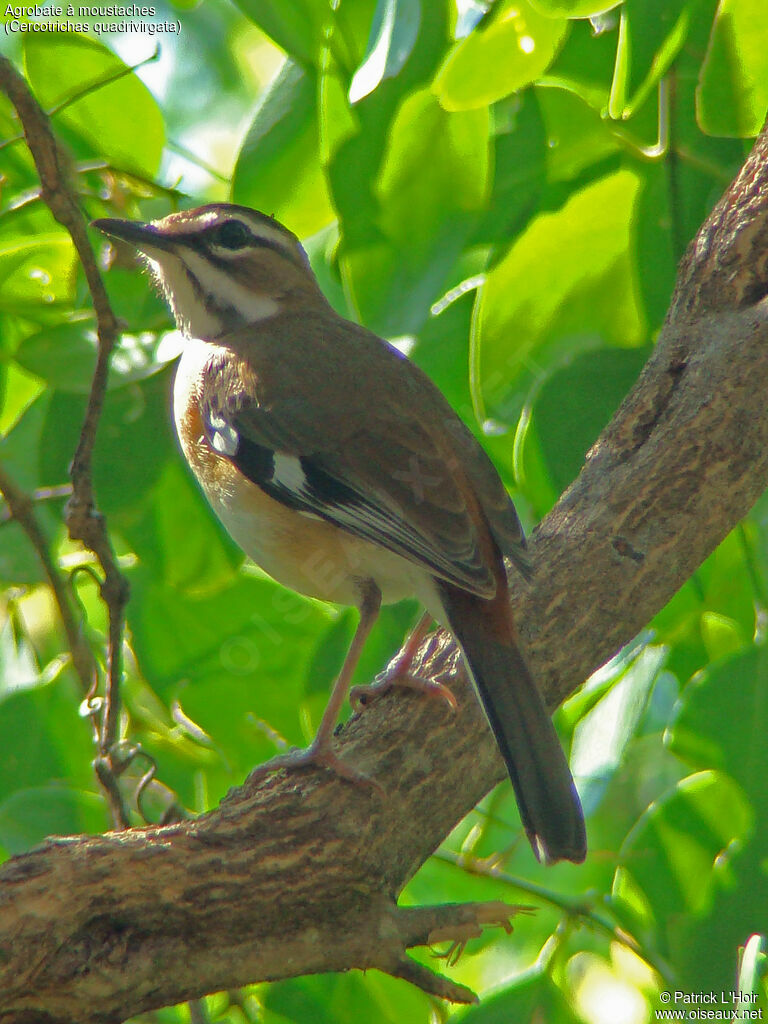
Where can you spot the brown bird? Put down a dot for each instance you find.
(338, 466)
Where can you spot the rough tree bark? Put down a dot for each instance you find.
(301, 872)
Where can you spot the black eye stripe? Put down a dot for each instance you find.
(219, 259)
(209, 243)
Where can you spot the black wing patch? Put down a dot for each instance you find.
(305, 485)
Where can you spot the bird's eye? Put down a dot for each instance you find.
(232, 234)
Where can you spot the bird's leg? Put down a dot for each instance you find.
(320, 750)
(398, 673)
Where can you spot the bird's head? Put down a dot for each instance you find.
(221, 267)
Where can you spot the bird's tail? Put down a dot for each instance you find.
(546, 795)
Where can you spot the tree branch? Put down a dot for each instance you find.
(300, 872)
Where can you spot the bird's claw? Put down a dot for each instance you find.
(315, 755)
(361, 697)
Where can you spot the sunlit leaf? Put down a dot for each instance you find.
(574, 8)
(37, 273)
(433, 179)
(530, 996)
(65, 356)
(602, 736)
(507, 51)
(732, 97)
(651, 36)
(277, 169)
(297, 26)
(673, 854)
(592, 295)
(62, 66)
(393, 34)
(722, 720)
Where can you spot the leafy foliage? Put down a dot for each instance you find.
(509, 192)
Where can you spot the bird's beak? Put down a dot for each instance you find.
(145, 237)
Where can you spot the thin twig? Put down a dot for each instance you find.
(21, 510)
(39, 495)
(93, 86)
(84, 522)
(579, 909)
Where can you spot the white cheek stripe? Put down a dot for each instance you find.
(251, 305)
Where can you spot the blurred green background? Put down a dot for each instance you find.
(504, 190)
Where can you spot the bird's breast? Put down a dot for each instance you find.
(302, 552)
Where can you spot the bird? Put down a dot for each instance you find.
(342, 471)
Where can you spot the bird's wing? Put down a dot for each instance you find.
(388, 462)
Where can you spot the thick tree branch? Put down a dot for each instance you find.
(301, 872)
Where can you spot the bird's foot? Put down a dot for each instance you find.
(397, 676)
(317, 755)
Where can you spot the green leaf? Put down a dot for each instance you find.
(732, 96)
(722, 722)
(19, 562)
(573, 8)
(393, 34)
(602, 736)
(353, 145)
(20, 389)
(688, 624)
(676, 854)
(652, 33)
(753, 969)
(510, 48)
(65, 357)
(330, 652)
(63, 66)
(198, 559)
(37, 274)
(18, 664)
(345, 999)
(592, 295)
(531, 996)
(656, 241)
(43, 738)
(277, 169)
(233, 657)
(519, 160)
(721, 635)
(21, 449)
(297, 26)
(586, 61)
(433, 180)
(134, 442)
(567, 416)
(28, 816)
(577, 136)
